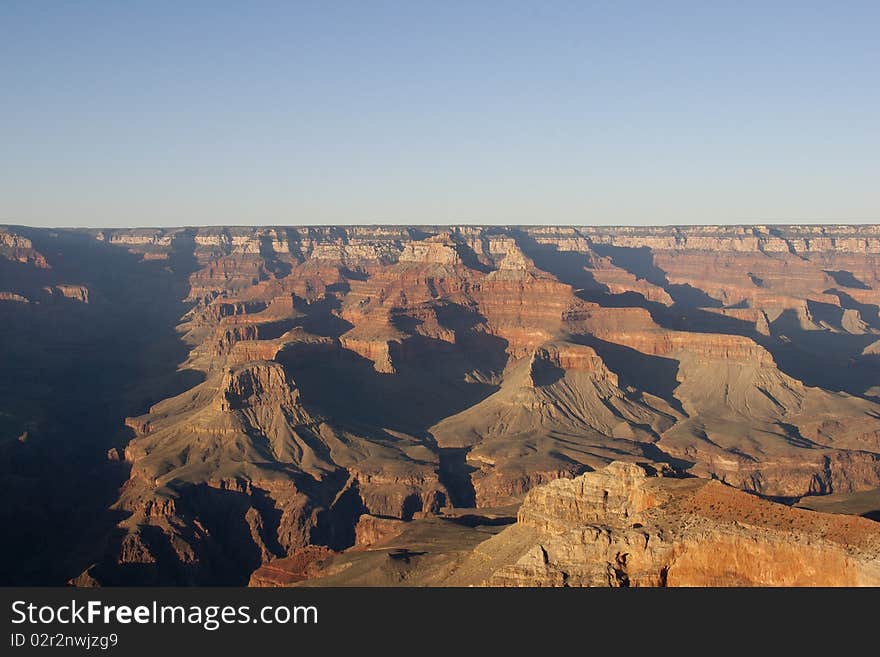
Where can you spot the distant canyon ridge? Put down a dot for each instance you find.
(373, 404)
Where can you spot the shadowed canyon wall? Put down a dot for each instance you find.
(185, 406)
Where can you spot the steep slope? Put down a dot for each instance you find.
(744, 420)
(317, 374)
(557, 413)
(237, 471)
(623, 527)
(757, 428)
(93, 342)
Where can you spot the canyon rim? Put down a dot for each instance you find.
(441, 405)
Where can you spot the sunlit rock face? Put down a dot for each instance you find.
(626, 526)
(270, 386)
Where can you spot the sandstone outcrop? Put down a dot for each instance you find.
(242, 444)
(18, 248)
(301, 378)
(621, 526)
(372, 530)
(580, 318)
(300, 565)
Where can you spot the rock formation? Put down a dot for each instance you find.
(281, 383)
(620, 526)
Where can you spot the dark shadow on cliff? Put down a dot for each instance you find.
(455, 475)
(274, 264)
(76, 370)
(432, 378)
(429, 384)
(227, 548)
(474, 520)
(569, 267)
(869, 312)
(847, 279)
(640, 263)
(338, 517)
(655, 375)
(823, 358)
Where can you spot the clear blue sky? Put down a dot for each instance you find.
(168, 113)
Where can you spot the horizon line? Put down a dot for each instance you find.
(751, 224)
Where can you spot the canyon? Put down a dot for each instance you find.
(624, 525)
(441, 405)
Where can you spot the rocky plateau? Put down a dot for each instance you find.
(441, 405)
